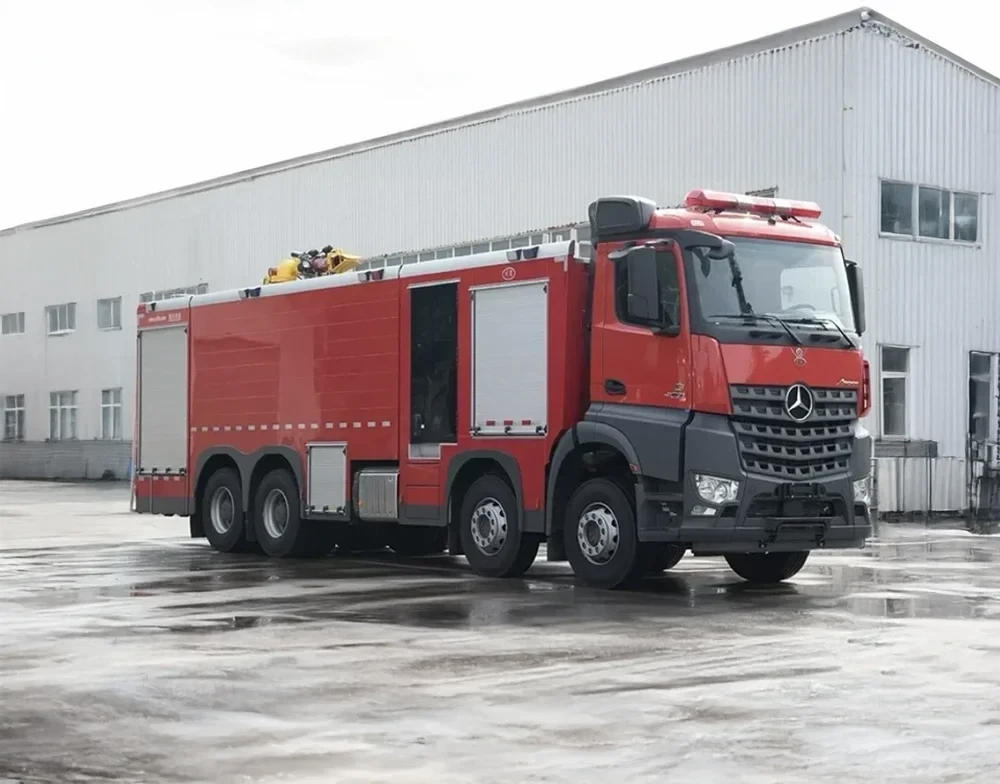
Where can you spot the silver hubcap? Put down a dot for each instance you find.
(222, 510)
(598, 534)
(489, 526)
(275, 514)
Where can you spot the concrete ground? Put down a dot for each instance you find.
(131, 653)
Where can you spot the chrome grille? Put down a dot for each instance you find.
(772, 443)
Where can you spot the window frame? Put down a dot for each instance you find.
(115, 407)
(59, 406)
(18, 319)
(991, 381)
(19, 409)
(619, 273)
(115, 305)
(68, 308)
(914, 235)
(906, 435)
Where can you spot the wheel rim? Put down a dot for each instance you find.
(489, 526)
(275, 514)
(598, 533)
(222, 510)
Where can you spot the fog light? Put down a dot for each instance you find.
(715, 489)
(863, 491)
(703, 511)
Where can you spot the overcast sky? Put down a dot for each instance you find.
(101, 100)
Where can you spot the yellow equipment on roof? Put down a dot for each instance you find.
(334, 261)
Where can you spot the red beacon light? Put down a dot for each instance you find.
(719, 201)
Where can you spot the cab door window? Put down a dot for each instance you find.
(668, 296)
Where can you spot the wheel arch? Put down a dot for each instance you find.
(463, 470)
(251, 467)
(566, 462)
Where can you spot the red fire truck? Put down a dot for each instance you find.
(695, 384)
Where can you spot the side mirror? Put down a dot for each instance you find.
(643, 284)
(724, 251)
(856, 284)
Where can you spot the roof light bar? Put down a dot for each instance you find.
(756, 205)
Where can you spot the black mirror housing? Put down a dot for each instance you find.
(643, 284)
(856, 284)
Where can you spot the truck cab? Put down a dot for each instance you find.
(725, 365)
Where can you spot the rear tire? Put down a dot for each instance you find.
(280, 529)
(599, 535)
(660, 557)
(767, 568)
(417, 540)
(490, 530)
(222, 513)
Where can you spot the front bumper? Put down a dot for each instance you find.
(766, 514)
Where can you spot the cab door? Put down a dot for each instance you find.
(639, 366)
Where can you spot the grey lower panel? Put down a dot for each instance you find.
(420, 514)
(145, 504)
(757, 536)
(70, 460)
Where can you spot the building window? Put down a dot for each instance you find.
(13, 418)
(183, 291)
(111, 414)
(12, 323)
(925, 212)
(982, 398)
(109, 313)
(61, 318)
(895, 383)
(62, 415)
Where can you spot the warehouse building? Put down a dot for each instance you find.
(893, 136)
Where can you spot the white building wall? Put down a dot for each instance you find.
(917, 117)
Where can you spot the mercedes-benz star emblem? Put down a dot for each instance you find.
(799, 402)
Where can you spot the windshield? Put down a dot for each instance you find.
(792, 280)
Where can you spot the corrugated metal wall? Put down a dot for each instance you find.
(913, 116)
(823, 120)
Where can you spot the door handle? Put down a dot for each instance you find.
(613, 386)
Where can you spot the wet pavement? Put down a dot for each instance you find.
(131, 653)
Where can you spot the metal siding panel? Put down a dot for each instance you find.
(928, 121)
(924, 119)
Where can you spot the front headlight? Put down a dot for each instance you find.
(863, 491)
(715, 489)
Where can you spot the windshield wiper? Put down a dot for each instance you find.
(737, 276)
(753, 317)
(822, 321)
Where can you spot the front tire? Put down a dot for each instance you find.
(767, 568)
(490, 530)
(222, 513)
(599, 535)
(280, 529)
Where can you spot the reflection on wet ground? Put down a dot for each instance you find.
(129, 653)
